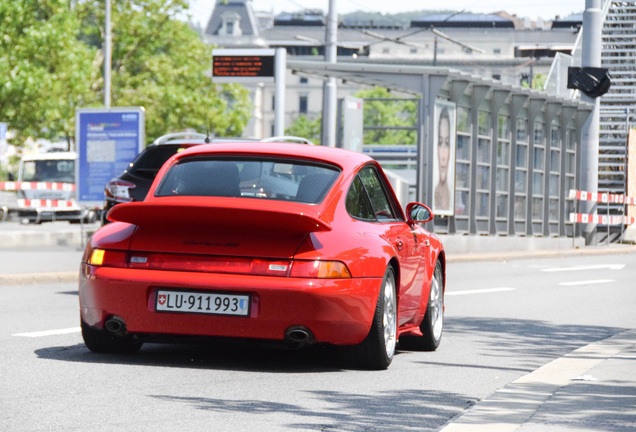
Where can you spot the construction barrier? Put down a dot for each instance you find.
(49, 203)
(24, 203)
(46, 201)
(16, 186)
(604, 198)
(601, 219)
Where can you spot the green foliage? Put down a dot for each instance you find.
(51, 62)
(44, 70)
(303, 127)
(538, 82)
(389, 112)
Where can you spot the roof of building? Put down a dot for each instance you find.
(462, 20)
(246, 18)
(570, 21)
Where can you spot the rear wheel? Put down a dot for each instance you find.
(377, 350)
(433, 323)
(102, 341)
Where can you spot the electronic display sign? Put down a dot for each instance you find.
(243, 65)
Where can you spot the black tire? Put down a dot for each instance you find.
(102, 341)
(91, 217)
(377, 350)
(433, 323)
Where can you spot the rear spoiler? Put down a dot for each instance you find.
(179, 213)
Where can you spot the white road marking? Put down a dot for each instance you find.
(50, 332)
(587, 267)
(587, 282)
(479, 291)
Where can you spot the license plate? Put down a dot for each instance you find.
(203, 303)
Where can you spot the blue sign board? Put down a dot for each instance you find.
(108, 139)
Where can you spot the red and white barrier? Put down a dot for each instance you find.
(48, 203)
(604, 198)
(55, 186)
(41, 186)
(601, 219)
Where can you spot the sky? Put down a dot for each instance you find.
(546, 9)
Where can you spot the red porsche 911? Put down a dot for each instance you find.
(274, 242)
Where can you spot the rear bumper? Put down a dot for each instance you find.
(44, 214)
(335, 311)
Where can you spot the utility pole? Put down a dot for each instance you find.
(107, 56)
(591, 57)
(329, 90)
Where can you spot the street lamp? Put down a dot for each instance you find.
(329, 92)
(107, 56)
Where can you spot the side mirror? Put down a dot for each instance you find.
(10, 177)
(418, 213)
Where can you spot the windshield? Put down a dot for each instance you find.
(280, 179)
(62, 170)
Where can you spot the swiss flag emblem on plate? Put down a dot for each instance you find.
(162, 299)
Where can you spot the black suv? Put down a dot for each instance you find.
(133, 184)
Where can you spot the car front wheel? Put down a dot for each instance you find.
(377, 350)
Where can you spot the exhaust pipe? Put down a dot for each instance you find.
(298, 335)
(116, 326)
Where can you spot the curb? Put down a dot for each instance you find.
(34, 278)
(519, 255)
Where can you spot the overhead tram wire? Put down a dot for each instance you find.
(437, 33)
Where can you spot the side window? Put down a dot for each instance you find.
(358, 204)
(377, 194)
(367, 198)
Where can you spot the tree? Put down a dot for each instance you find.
(160, 63)
(44, 69)
(303, 127)
(51, 63)
(381, 109)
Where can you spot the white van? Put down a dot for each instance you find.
(47, 189)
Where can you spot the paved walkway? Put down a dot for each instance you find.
(590, 389)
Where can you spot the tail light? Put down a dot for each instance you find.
(316, 269)
(105, 258)
(119, 190)
(320, 269)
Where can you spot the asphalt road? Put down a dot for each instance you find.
(504, 321)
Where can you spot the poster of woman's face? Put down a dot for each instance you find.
(444, 158)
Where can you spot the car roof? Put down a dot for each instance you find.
(50, 156)
(345, 159)
(200, 138)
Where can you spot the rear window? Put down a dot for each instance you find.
(278, 179)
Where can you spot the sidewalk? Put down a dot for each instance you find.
(590, 389)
